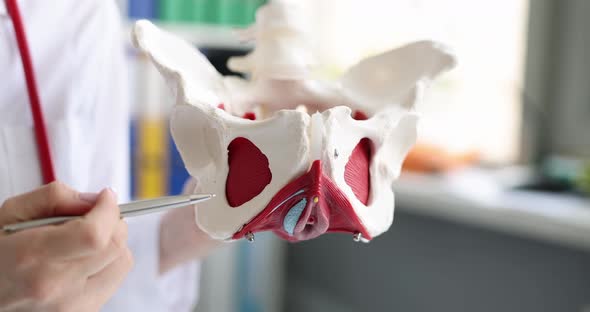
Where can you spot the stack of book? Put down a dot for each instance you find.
(212, 12)
(156, 166)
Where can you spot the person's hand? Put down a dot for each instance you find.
(76, 266)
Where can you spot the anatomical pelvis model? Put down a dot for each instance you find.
(285, 152)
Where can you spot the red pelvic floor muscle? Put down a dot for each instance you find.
(327, 209)
(356, 172)
(249, 172)
(249, 115)
(358, 115)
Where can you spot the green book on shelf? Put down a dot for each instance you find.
(175, 10)
(230, 11)
(205, 11)
(196, 11)
(223, 12)
(238, 12)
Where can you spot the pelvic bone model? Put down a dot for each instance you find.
(284, 152)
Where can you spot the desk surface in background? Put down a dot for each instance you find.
(484, 198)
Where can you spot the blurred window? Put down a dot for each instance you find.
(477, 106)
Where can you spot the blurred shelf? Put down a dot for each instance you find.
(479, 198)
(204, 36)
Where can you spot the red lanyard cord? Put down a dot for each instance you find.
(38, 120)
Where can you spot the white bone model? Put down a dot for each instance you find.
(282, 151)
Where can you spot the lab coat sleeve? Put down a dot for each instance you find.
(143, 289)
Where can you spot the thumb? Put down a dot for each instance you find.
(54, 199)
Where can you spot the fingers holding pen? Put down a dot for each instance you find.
(73, 266)
(49, 200)
(81, 237)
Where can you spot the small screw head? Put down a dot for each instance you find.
(316, 200)
(357, 237)
(250, 237)
(335, 153)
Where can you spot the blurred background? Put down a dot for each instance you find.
(492, 209)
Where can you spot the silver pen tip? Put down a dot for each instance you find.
(201, 197)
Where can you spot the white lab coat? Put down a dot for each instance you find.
(78, 56)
